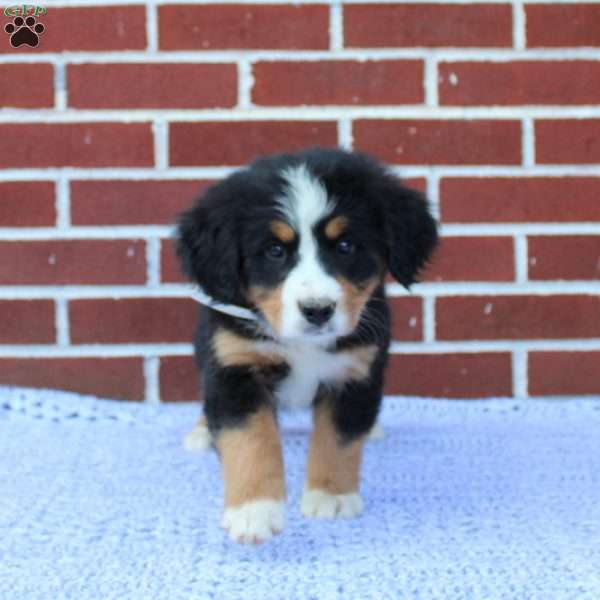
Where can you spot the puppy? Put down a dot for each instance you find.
(291, 254)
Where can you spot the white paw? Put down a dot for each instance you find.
(323, 505)
(254, 522)
(376, 433)
(198, 440)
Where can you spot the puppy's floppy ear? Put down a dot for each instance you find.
(411, 231)
(208, 247)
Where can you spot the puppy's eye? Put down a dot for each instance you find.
(345, 247)
(275, 252)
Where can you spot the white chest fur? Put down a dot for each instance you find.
(311, 365)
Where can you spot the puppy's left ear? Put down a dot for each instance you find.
(411, 231)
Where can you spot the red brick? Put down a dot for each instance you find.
(170, 267)
(236, 143)
(477, 142)
(67, 262)
(179, 379)
(517, 317)
(564, 373)
(337, 82)
(119, 202)
(465, 375)
(164, 85)
(472, 259)
(556, 25)
(27, 204)
(402, 24)
(407, 319)
(247, 26)
(519, 199)
(76, 145)
(26, 322)
(89, 29)
(519, 82)
(564, 257)
(567, 141)
(133, 320)
(27, 85)
(416, 183)
(119, 378)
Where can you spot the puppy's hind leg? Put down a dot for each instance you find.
(199, 439)
(376, 433)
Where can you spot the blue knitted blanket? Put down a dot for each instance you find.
(463, 499)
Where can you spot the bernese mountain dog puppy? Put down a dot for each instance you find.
(290, 254)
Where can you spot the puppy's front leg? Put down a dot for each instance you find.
(333, 472)
(341, 426)
(252, 465)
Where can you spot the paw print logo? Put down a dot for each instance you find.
(24, 31)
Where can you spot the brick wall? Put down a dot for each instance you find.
(124, 112)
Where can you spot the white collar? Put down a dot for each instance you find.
(229, 309)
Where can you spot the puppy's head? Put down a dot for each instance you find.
(306, 239)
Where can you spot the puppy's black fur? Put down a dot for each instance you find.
(221, 242)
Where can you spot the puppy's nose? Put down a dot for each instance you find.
(317, 313)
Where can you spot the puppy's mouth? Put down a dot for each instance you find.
(319, 331)
(322, 335)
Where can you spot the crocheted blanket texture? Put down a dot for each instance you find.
(463, 499)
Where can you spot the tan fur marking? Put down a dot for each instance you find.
(362, 358)
(332, 466)
(282, 231)
(252, 461)
(234, 350)
(336, 227)
(269, 302)
(356, 297)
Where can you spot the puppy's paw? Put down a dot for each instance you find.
(254, 522)
(199, 439)
(376, 433)
(324, 505)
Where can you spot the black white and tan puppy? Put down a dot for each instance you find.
(299, 245)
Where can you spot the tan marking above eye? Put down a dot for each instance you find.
(336, 227)
(282, 231)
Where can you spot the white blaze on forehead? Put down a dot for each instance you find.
(305, 203)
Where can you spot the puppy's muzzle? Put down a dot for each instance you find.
(317, 312)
